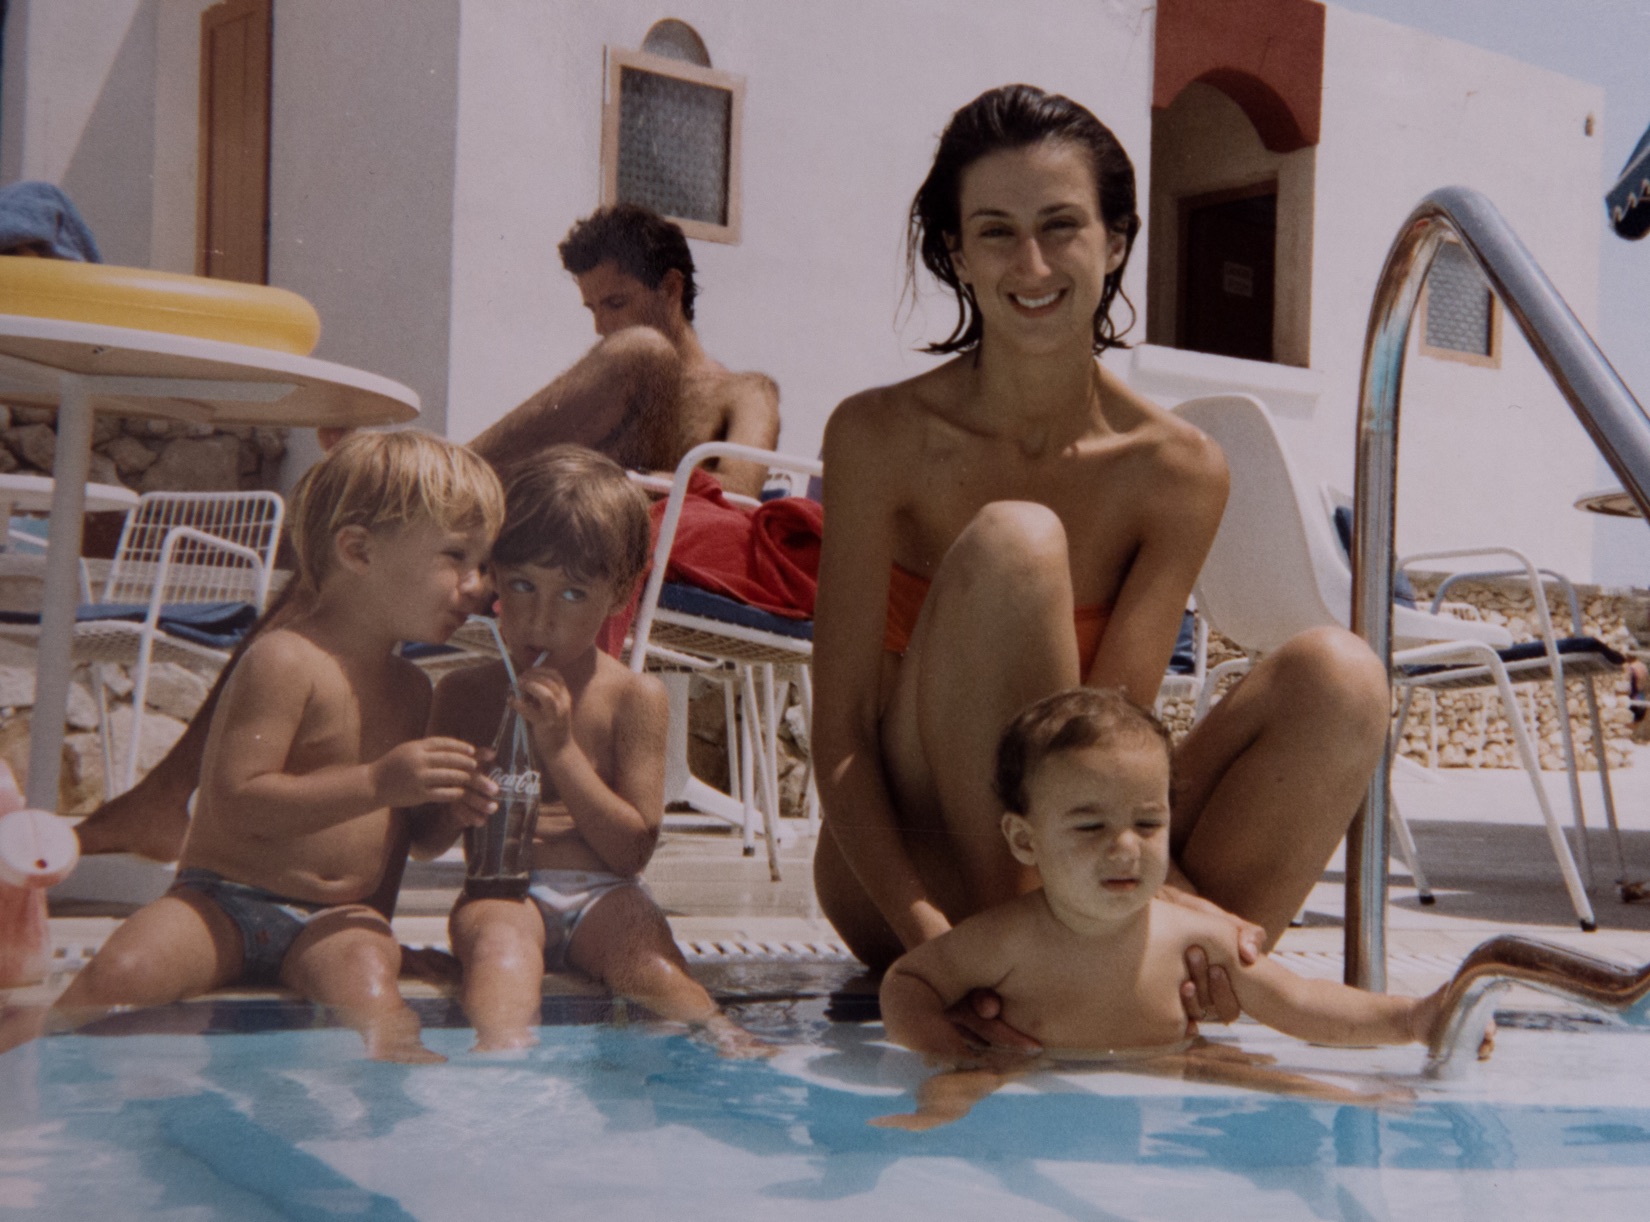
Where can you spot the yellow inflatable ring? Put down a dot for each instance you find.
(146, 300)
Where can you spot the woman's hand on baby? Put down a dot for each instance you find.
(423, 770)
(547, 706)
(1207, 995)
(978, 1019)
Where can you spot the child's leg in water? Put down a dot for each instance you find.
(948, 1096)
(625, 942)
(348, 958)
(500, 942)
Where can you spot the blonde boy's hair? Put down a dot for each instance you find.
(379, 480)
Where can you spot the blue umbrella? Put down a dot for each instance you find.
(1629, 199)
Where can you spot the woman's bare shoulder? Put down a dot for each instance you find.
(1182, 458)
(873, 419)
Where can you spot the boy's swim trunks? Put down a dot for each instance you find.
(564, 898)
(269, 923)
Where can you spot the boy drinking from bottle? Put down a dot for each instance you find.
(575, 541)
(315, 752)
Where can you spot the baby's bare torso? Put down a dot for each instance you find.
(353, 713)
(1103, 993)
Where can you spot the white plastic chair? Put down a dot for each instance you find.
(177, 549)
(1276, 570)
(683, 634)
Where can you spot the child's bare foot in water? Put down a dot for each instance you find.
(731, 1040)
(395, 1038)
(504, 1039)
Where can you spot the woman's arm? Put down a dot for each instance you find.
(921, 988)
(862, 454)
(1183, 484)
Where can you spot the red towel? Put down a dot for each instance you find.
(767, 557)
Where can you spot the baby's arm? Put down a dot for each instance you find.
(926, 981)
(1327, 1012)
(259, 719)
(621, 821)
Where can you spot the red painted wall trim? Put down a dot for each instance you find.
(1266, 55)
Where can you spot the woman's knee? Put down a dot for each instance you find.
(1010, 544)
(1335, 675)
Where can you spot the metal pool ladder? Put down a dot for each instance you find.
(1505, 961)
(1608, 411)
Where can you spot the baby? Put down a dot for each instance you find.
(1091, 964)
(575, 541)
(316, 749)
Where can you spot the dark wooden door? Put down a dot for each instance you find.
(233, 224)
(1227, 276)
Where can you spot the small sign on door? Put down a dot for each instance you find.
(1237, 279)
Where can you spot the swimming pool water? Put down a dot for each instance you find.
(620, 1121)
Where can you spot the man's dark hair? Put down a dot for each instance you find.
(1069, 721)
(643, 244)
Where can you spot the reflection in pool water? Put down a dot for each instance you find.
(615, 1121)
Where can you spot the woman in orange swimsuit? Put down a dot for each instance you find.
(981, 510)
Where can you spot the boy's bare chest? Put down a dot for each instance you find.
(349, 722)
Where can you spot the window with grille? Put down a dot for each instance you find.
(1460, 319)
(670, 141)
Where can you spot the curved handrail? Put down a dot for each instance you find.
(1501, 962)
(1601, 401)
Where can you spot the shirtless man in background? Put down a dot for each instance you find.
(645, 395)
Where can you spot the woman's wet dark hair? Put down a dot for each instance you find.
(1012, 117)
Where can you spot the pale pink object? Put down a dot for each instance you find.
(37, 850)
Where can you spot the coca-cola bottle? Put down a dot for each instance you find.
(498, 853)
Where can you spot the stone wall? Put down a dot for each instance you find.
(150, 455)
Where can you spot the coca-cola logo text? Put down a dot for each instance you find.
(519, 784)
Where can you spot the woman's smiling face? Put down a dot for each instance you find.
(1032, 245)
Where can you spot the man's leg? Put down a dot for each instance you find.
(622, 398)
(152, 817)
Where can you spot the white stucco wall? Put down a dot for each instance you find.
(1485, 454)
(361, 184)
(79, 112)
(844, 102)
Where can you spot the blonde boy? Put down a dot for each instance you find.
(315, 752)
(1093, 962)
(574, 542)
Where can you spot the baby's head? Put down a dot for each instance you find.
(378, 488)
(1084, 778)
(574, 541)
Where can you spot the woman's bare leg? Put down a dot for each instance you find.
(995, 634)
(152, 818)
(501, 945)
(1266, 784)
